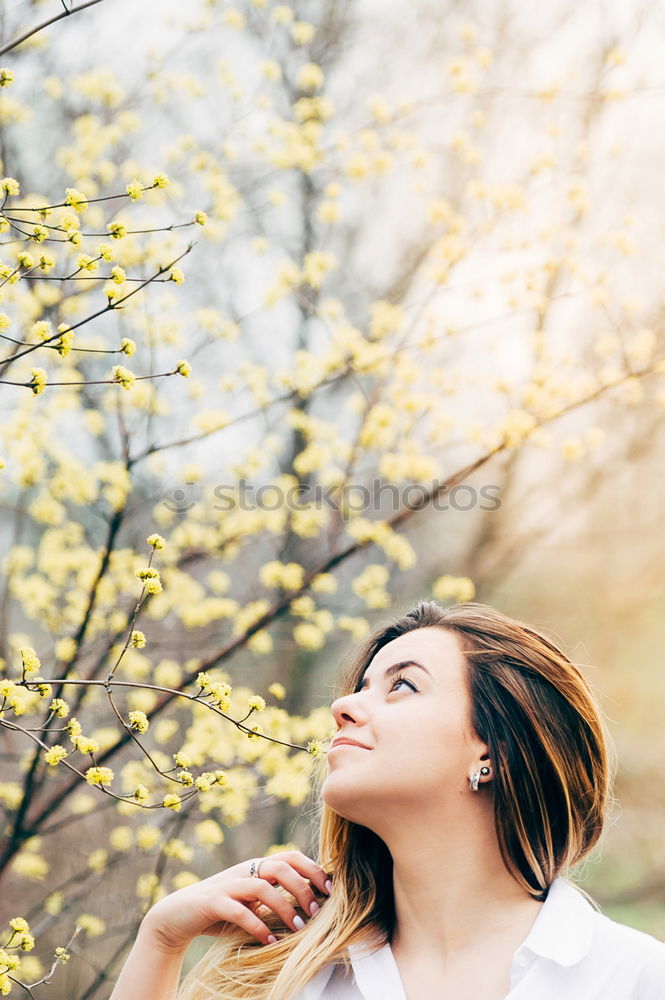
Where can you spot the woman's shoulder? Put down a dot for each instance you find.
(620, 940)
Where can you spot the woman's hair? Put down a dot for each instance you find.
(553, 766)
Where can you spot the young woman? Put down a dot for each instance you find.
(470, 773)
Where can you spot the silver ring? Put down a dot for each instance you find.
(254, 866)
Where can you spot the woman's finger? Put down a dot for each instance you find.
(233, 911)
(278, 870)
(245, 891)
(301, 864)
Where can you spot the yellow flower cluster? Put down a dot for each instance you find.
(288, 576)
(458, 588)
(370, 586)
(101, 776)
(30, 662)
(55, 754)
(216, 692)
(38, 381)
(150, 578)
(124, 376)
(138, 639)
(139, 721)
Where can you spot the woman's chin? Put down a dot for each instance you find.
(346, 802)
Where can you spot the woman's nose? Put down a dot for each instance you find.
(348, 707)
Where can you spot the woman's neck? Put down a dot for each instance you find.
(453, 889)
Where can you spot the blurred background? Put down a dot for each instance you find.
(416, 254)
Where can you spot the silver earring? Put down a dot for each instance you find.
(474, 781)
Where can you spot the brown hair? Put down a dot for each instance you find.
(553, 766)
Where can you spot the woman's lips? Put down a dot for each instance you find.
(347, 743)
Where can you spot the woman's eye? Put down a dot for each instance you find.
(402, 680)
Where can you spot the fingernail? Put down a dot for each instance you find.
(272, 939)
(328, 886)
(314, 907)
(298, 923)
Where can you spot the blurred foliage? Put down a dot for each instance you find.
(386, 297)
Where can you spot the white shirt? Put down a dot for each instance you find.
(572, 951)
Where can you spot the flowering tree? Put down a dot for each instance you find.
(378, 303)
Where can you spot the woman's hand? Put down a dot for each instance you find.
(229, 897)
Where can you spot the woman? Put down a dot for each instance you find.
(475, 776)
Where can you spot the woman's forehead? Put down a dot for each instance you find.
(435, 648)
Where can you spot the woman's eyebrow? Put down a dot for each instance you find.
(394, 669)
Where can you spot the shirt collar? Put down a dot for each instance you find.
(561, 932)
(563, 929)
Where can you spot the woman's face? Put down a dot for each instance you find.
(419, 748)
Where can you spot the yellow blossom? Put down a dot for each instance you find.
(172, 802)
(139, 721)
(76, 200)
(92, 926)
(234, 18)
(289, 576)
(310, 77)
(271, 70)
(308, 636)
(55, 755)
(370, 585)
(86, 262)
(183, 368)
(41, 330)
(459, 588)
(124, 376)
(156, 541)
(121, 838)
(160, 181)
(64, 345)
(98, 860)
(99, 776)
(117, 230)
(302, 32)
(282, 14)
(209, 833)
(59, 707)
(31, 866)
(140, 793)
(175, 274)
(138, 639)
(358, 627)
(134, 189)
(277, 690)
(39, 380)
(30, 662)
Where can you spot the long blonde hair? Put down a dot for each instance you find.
(553, 769)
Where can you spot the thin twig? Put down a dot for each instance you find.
(45, 24)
